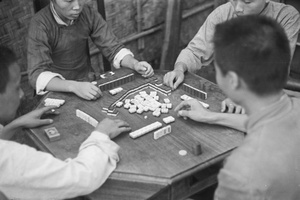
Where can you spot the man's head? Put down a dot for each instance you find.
(248, 7)
(68, 9)
(253, 50)
(10, 91)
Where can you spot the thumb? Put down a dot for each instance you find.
(183, 113)
(178, 81)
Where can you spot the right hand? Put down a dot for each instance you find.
(87, 90)
(112, 128)
(175, 75)
(230, 107)
(194, 110)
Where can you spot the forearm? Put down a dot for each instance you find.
(96, 160)
(129, 62)
(180, 66)
(59, 85)
(236, 121)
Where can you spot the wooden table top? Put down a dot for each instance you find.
(144, 162)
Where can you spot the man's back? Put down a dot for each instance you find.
(267, 164)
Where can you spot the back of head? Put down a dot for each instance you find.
(7, 57)
(257, 49)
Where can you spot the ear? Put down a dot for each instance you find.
(233, 80)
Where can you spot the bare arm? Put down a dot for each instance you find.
(194, 110)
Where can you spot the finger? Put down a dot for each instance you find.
(243, 111)
(125, 129)
(231, 108)
(171, 80)
(95, 88)
(165, 79)
(181, 105)
(122, 123)
(238, 110)
(223, 106)
(183, 113)
(88, 96)
(46, 108)
(150, 72)
(178, 81)
(44, 122)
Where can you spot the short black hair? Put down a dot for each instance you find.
(257, 49)
(7, 57)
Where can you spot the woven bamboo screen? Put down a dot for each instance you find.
(14, 19)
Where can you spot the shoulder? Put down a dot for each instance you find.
(43, 15)
(42, 20)
(222, 13)
(281, 10)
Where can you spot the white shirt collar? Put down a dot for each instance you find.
(57, 18)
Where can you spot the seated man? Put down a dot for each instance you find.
(252, 56)
(29, 174)
(199, 51)
(58, 52)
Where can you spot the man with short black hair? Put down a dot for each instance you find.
(29, 174)
(252, 57)
(58, 51)
(200, 51)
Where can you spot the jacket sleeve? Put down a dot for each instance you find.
(30, 174)
(102, 36)
(38, 51)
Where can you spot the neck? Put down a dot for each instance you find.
(67, 21)
(255, 103)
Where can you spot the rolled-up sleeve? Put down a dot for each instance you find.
(43, 79)
(30, 174)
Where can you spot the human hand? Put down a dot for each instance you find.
(33, 118)
(230, 107)
(112, 128)
(86, 90)
(144, 68)
(175, 75)
(194, 110)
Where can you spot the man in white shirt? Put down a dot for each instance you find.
(26, 173)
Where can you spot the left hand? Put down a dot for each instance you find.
(144, 69)
(230, 107)
(33, 118)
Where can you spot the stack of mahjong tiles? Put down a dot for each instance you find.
(186, 97)
(54, 102)
(144, 102)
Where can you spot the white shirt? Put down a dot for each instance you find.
(44, 78)
(28, 174)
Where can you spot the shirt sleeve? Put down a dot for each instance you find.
(120, 55)
(30, 174)
(43, 80)
(290, 21)
(103, 37)
(38, 51)
(199, 51)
